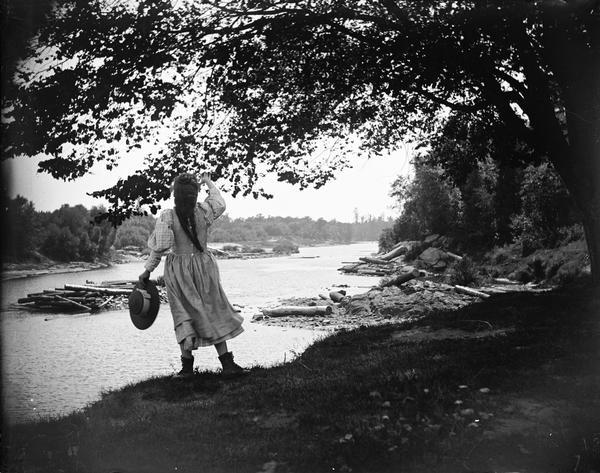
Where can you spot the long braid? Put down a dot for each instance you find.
(185, 192)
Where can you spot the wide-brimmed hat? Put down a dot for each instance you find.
(144, 302)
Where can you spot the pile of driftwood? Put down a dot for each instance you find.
(312, 308)
(77, 298)
(382, 265)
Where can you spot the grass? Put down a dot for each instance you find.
(508, 384)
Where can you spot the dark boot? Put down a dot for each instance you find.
(187, 368)
(230, 367)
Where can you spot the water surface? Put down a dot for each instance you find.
(54, 364)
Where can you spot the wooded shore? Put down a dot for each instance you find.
(27, 270)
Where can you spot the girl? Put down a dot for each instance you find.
(202, 315)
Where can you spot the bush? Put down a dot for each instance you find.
(61, 244)
(546, 208)
(285, 247)
(387, 240)
(252, 249)
(232, 248)
(429, 204)
(500, 255)
(571, 233)
(538, 268)
(22, 230)
(134, 231)
(462, 272)
(134, 237)
(477, 226)
(568, 272)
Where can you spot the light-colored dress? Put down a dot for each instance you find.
(202, 314)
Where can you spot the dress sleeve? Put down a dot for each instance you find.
(160, 240)
(214, 205)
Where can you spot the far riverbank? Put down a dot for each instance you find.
(48, 266)
(28, 270)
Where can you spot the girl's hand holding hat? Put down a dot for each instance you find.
(143, 278)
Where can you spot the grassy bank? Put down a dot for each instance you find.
(508, 384)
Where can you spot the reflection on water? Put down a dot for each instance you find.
(53, 364)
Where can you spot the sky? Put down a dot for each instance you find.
(364, 187)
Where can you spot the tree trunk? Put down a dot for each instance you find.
(582, 179)
(577, 68)
(591, 226)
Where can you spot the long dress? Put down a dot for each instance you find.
(202, 314)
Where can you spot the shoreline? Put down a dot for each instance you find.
(29, 270)
(44, 269)
(12, 271)
(418, 393)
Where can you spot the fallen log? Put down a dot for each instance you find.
(494, 290)
(298, 310)
(324, 297)
(54, 298)
(337, 296)
(401, 250)
(60, 291)
(506, 281)
(369, 259)
(102, 290)
(118, 282)
(454, 256)
(470, 292)
(372, 272)
(54, 305)
(74, 302)
(402, 278)
(96, 308)
(351, 268)
(24, 300)
(216, 251)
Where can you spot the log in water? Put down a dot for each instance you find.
(298, 310)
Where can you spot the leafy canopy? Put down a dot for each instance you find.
(244, 87)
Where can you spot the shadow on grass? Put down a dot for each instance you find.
(508, 384)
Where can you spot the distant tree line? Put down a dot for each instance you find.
(302, 230)
(66, 234)
(475, 186)
(71, 234)
(135, 230)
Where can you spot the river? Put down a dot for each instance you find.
(56, 363)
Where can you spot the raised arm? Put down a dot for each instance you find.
(214, 204)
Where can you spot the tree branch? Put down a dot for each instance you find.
(500, 101)
(352, 34)
(539, 106)
(461, 107)
(393, 9)
(515, 84)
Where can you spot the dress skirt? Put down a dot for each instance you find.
(198, 303)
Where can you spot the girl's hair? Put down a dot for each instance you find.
(185, 179)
